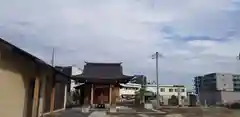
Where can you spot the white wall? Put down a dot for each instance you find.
(75, 71)
(129, 89)
(167, 93)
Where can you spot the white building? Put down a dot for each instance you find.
(74, 71)
(166, 91)
(129, 89)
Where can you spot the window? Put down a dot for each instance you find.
(170, 90)
(183, 90)
(162, 90)
(237, 89)
(175, 90)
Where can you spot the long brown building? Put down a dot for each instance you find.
(29, 87)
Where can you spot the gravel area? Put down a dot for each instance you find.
(203, 112)
(72, 112)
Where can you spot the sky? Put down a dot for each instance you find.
(195, 37)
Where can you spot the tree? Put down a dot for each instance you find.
(143, 95)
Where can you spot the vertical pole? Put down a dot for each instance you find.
(157, 78)
(198, 90)
(110, 95)
(52, 96)
(43, 93)
(143, 87)
(53, 56)
(36, 97)
(65, 96)
(92, 95)
(179, 96)
(205, 103)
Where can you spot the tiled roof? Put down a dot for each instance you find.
(106, 71)
(30, 57)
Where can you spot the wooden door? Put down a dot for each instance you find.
(101, 94)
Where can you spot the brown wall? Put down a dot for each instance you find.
(16, 72)
(87, 93)
(12, 97)
(115, 94)
(59, 96)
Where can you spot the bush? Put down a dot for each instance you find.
(173, 100)
(233, 105)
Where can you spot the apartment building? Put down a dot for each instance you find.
(197, 84)
(217, 88)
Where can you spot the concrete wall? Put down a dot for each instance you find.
(211, 98)
(224, 82)
(230, 96)
(217, 97)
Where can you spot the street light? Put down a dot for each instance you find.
(156, 56)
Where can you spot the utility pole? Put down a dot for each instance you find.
(156, 56)
(53, 57)
(143, 87)
(238, 57)
(179, 96)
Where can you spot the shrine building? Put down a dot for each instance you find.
(101, 83)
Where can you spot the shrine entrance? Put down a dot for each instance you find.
(101, 95)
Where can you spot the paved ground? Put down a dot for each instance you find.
(203, 112)
(77, 113)
(172, 112)
(73, 112)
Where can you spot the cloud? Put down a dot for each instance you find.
(196, 37)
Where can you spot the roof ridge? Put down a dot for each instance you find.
(118, 63)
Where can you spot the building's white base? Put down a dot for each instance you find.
(112, 109)
(148, 106)
(85, 109)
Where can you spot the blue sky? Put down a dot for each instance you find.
(195, 36)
